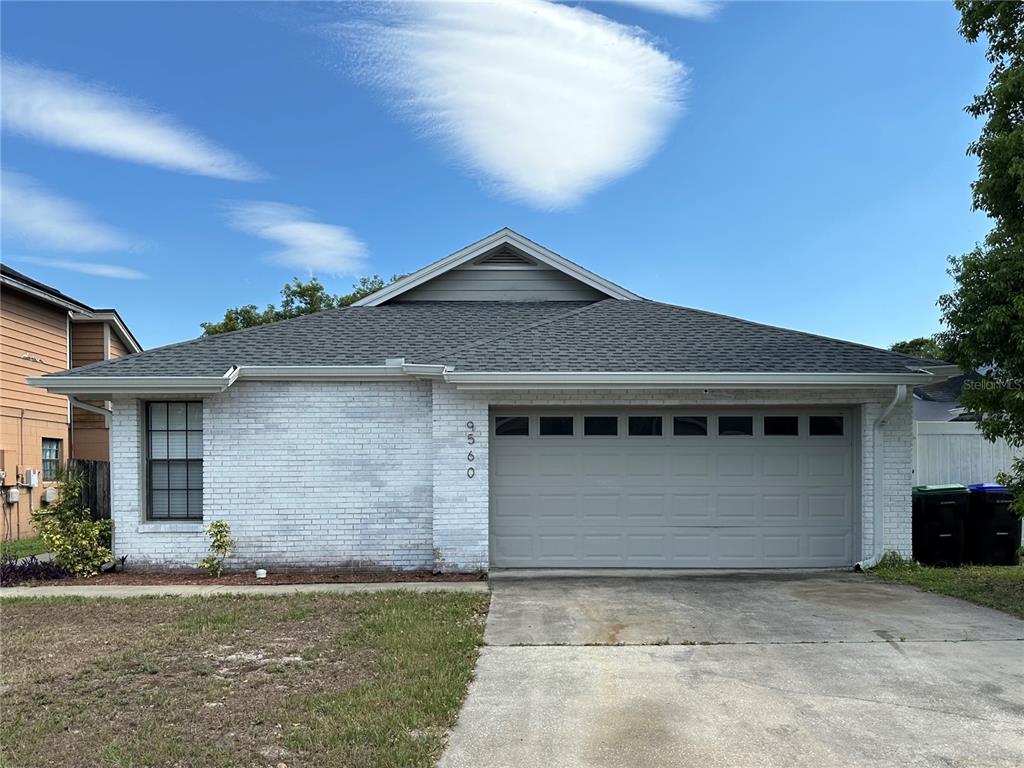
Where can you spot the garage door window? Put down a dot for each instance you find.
(826, 426)
(512, 426)
(781, 426)
(600, 426)
(690, 426)
(736, 426)
(645, 426)
(556, 426)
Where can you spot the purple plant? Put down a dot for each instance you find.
(14, 571)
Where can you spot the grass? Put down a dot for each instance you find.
(325, 680)
(995, 586)
(24, 547)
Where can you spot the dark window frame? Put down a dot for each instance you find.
(614, 419)
(510, 416)
(191, 465)
(829, 417)
(780, 416)
(660, 421)
(51, 464)
(543, 416)
(691, 419)
(749, 419)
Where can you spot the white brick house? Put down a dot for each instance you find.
(503, 408)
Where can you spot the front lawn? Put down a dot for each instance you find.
(1000, 587)
(23, 547)
(305, 680)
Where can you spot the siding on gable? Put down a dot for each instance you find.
(502, 284)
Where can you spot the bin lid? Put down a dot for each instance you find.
(987, 488)
(947, 488)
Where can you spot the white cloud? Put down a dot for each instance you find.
(305, 243)
(546, 101)
(690, 9)
(57, 108)
(43, 219)
(89, 268)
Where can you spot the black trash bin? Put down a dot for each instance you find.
(940, 524)
(993, 529)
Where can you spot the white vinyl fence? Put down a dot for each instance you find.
(955, 452)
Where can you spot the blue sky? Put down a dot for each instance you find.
(799, 164)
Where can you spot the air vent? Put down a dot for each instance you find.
(504, 257)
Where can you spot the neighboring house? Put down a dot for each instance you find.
(505, 408)
(940, 401)
(41, 331)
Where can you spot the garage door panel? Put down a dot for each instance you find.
(694, 501)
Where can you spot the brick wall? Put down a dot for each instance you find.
(331, 473)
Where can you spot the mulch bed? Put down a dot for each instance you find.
(161, 578)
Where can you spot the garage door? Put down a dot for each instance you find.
(678, 488)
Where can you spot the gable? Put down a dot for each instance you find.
(502, 267)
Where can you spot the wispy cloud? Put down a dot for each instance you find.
(59, 109)
(689, 9)
(88, 268)
(548, 102)
(40, 218)
(305, 243)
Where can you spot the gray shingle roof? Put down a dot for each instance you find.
(609, 335)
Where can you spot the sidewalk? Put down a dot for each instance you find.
(193, 590)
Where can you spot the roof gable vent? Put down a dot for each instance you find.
(504, 257)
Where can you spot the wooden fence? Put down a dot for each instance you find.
(956, 452)
(96, 488)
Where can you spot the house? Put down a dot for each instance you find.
(506, 408)
(940, 401)
(42, 331)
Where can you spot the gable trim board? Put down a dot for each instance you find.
(376, 424)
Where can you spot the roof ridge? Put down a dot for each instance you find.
(801, 333)
(431, 357)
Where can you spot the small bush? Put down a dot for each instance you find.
(14, 571)
(80, 545)
(221, 547)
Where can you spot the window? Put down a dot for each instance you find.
(51, 457)
(781, 426)
(645, 426)
(736, 426)
(511, 426)
(601, 426)
(690, 426)
(826, 426)
(175, 441)
(556, 426)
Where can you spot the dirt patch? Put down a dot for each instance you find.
(134, 577)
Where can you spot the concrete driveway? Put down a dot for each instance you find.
(741, 671)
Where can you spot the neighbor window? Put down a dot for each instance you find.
(826, 426)
(736, 426)
(645, 426)
(175, 459)
(506, 426)
(51, 457)
(555, 426)
(690, 426)
(781, 426)
(600, 426)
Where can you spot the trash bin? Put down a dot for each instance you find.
(940, 515)
(993, 529)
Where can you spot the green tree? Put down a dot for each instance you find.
(985, 314)
(297, 298)
(930, 347)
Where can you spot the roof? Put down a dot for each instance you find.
(19, 281)
(608, 335)
(947, 391)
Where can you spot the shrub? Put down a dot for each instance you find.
(79, 544)
(14, 571)
(221, 547)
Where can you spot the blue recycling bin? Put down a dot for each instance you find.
(993, 529)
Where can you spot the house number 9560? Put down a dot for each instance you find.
(470, 457)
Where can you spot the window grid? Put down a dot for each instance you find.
(175, 467)
(51, 457)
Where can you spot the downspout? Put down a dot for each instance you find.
(878, 480)
(105, 413)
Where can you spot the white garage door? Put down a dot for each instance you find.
(672, 488)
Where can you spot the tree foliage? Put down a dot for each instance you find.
(985, 314)
(930, 347)
(297, 298)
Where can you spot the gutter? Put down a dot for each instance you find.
(630, 379)
(878, 483)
